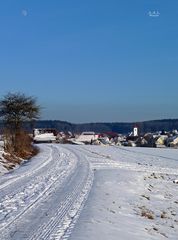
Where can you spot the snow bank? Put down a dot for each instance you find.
(5, 165)
(3, 161)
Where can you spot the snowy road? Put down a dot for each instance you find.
(43, 199)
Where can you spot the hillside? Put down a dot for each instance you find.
(119, 127)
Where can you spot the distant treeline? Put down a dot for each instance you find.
(119, 127)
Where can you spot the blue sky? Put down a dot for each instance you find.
(92, 60)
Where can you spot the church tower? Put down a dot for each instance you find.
(135, 131)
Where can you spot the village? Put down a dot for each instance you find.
(161, 139)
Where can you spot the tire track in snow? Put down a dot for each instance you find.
(68, 211)
(28, 174)
(106, 162)
(80, 179)
(146, 154)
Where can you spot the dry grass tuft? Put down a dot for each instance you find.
(147, 213)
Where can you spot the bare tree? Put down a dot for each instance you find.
(15, 109)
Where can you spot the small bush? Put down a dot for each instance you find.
(20, 148)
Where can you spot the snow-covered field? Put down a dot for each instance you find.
(91, 192)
